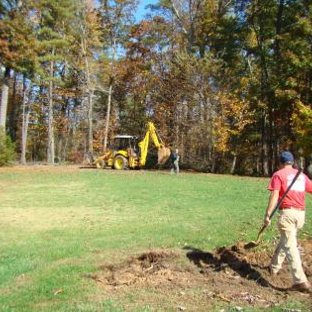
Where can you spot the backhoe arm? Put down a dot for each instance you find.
(150, 133)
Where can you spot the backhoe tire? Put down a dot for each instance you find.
(120, 162)
(100, 164)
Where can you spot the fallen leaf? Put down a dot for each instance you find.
(58, 291)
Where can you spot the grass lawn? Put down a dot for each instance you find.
(58, 225)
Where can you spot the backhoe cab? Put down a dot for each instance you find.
(127, 153)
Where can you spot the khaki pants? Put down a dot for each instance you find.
(289, 221)
(175, 167)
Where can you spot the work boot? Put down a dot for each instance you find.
(302, 287)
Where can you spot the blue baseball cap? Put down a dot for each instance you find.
(287, 157)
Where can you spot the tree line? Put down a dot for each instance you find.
(228, 82)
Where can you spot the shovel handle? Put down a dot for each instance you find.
(264, 226)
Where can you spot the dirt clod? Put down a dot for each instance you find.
(232, 275)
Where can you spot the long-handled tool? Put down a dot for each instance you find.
(257, 241)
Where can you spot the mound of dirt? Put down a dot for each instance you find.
(231, 275)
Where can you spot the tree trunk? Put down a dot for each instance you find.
(110, 93)
(4, 98)
(276, 132)
(266, 114)
(11, 126)
(25, 118)
(89, 91)
(109, 101)
(90, 121)
(15, 105)
(50, 150)
(234, 163)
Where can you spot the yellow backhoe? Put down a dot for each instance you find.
(128, 153)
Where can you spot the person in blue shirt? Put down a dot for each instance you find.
(174, 158)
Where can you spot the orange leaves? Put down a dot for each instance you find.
(234, 115)
(302, 125)
(67, 92)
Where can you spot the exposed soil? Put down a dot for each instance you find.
(229, 278)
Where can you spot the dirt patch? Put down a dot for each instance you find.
(195, 280)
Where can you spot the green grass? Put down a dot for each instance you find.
(57, 226)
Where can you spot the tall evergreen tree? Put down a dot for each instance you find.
(56, 22)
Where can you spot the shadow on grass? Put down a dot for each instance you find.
(226, 257)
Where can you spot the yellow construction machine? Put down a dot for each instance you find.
(127, 153)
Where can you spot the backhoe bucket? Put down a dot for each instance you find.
(163, 155)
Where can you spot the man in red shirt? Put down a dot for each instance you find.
(291, 219)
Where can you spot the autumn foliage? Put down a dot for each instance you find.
(226, 82)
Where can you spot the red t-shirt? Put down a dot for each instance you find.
(296, 196)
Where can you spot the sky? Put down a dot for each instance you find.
(141, 8)
(141, 11)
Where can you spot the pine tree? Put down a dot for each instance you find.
(56, 22)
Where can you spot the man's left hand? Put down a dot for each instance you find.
(267, 221)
